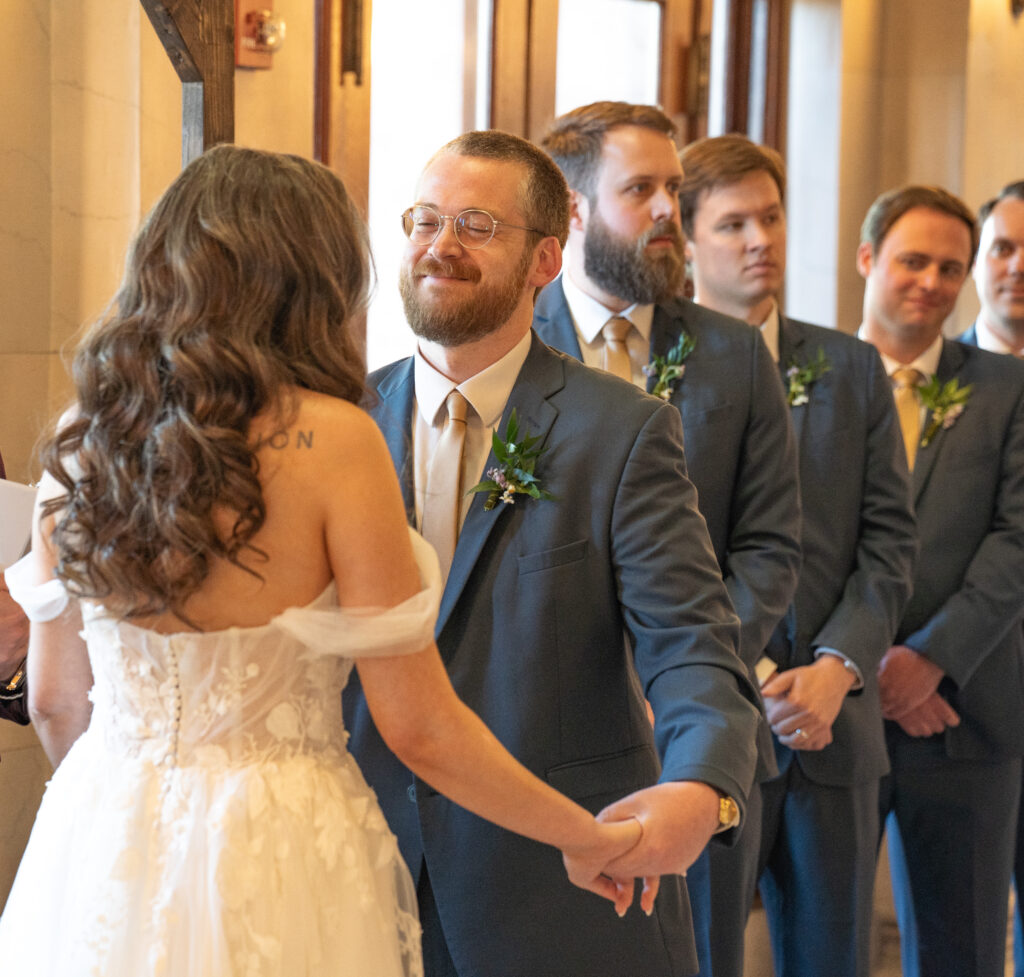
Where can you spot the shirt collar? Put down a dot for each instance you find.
(927, 362)
(590, 315)
(770, 331)
(487, 392)
(987, 339)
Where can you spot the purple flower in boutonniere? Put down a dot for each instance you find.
(801, 377)
(514, 474)
(945, 402)
(670, 367)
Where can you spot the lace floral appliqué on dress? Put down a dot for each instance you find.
(210, 822)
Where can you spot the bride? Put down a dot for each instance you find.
(219, 536)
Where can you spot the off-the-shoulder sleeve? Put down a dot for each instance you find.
(40, 602)
(364, 632)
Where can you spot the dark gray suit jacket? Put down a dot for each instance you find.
(858, 539)
(965, 613)
(739, 451)
(531, 629)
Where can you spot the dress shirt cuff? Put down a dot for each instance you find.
(848, 664)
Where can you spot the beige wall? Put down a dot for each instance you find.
(922, 91)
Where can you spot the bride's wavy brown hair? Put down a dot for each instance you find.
(242, 282)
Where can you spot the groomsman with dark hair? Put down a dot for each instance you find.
(953, 681)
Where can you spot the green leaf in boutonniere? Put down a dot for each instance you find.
(670, 367)
(801, 377)
(517, 456)
(945, 403)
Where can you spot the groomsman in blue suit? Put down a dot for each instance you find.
(952, 684)
(819, 826)
(625, 268)
(999, 327)
(580, 585)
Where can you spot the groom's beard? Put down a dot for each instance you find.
(451, 321)
(625, 269)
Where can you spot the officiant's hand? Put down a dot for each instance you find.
(678, 819)
(586, 863)
(13, 633)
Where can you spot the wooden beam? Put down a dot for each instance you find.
(199, 38)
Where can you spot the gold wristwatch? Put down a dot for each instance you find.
(728, 813)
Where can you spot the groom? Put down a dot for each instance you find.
(560, 615)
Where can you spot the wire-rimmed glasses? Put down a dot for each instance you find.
(473, 228)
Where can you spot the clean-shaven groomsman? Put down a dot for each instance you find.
(819, 825)
(624, 271)
(953, 681)
(999, 279)
(544, 587)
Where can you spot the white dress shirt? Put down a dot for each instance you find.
(589, 317)
(487, 392)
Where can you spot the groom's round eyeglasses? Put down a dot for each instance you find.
(473, 228)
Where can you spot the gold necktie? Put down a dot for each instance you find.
(908, 407)
(616, 352)
(443, 496)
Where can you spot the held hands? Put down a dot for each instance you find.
(678, 820)
(906, 680)
(586, 864)
(802, 703)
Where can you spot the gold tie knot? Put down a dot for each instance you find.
(456, 405)
(616, 329)
(907, 377)
(616, 352)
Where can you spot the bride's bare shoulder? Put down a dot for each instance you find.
(319, 430)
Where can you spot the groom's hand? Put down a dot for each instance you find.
(678, 819)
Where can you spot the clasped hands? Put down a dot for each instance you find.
(802, 703)
(656, 831)
(908, 684)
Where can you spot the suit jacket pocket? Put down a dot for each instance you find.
(610, 776)
(706, 415)
(559, 556)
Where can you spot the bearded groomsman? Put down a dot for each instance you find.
(616, 307)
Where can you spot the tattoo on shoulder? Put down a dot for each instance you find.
(280, 440)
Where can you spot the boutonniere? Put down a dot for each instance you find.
(513, 475)
(945, 402)
(670, 367)
(801, 377)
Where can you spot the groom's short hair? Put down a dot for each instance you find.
(544, 195)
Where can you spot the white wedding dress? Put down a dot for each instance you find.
(210, 822)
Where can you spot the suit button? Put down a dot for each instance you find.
(412, 793)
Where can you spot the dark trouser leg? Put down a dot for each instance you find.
(952, 857)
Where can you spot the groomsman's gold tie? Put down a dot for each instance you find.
(908, 407)
(616, 352)
(443, 496)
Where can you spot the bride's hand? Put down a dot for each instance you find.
(585, 863)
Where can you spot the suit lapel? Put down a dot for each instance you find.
(552, 321)
(393, 413)
(791, 348)
(950, 362)
(542, 374)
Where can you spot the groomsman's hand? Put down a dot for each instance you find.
(905, 680)
(802, 703)
(678, 819)
(933, 716)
